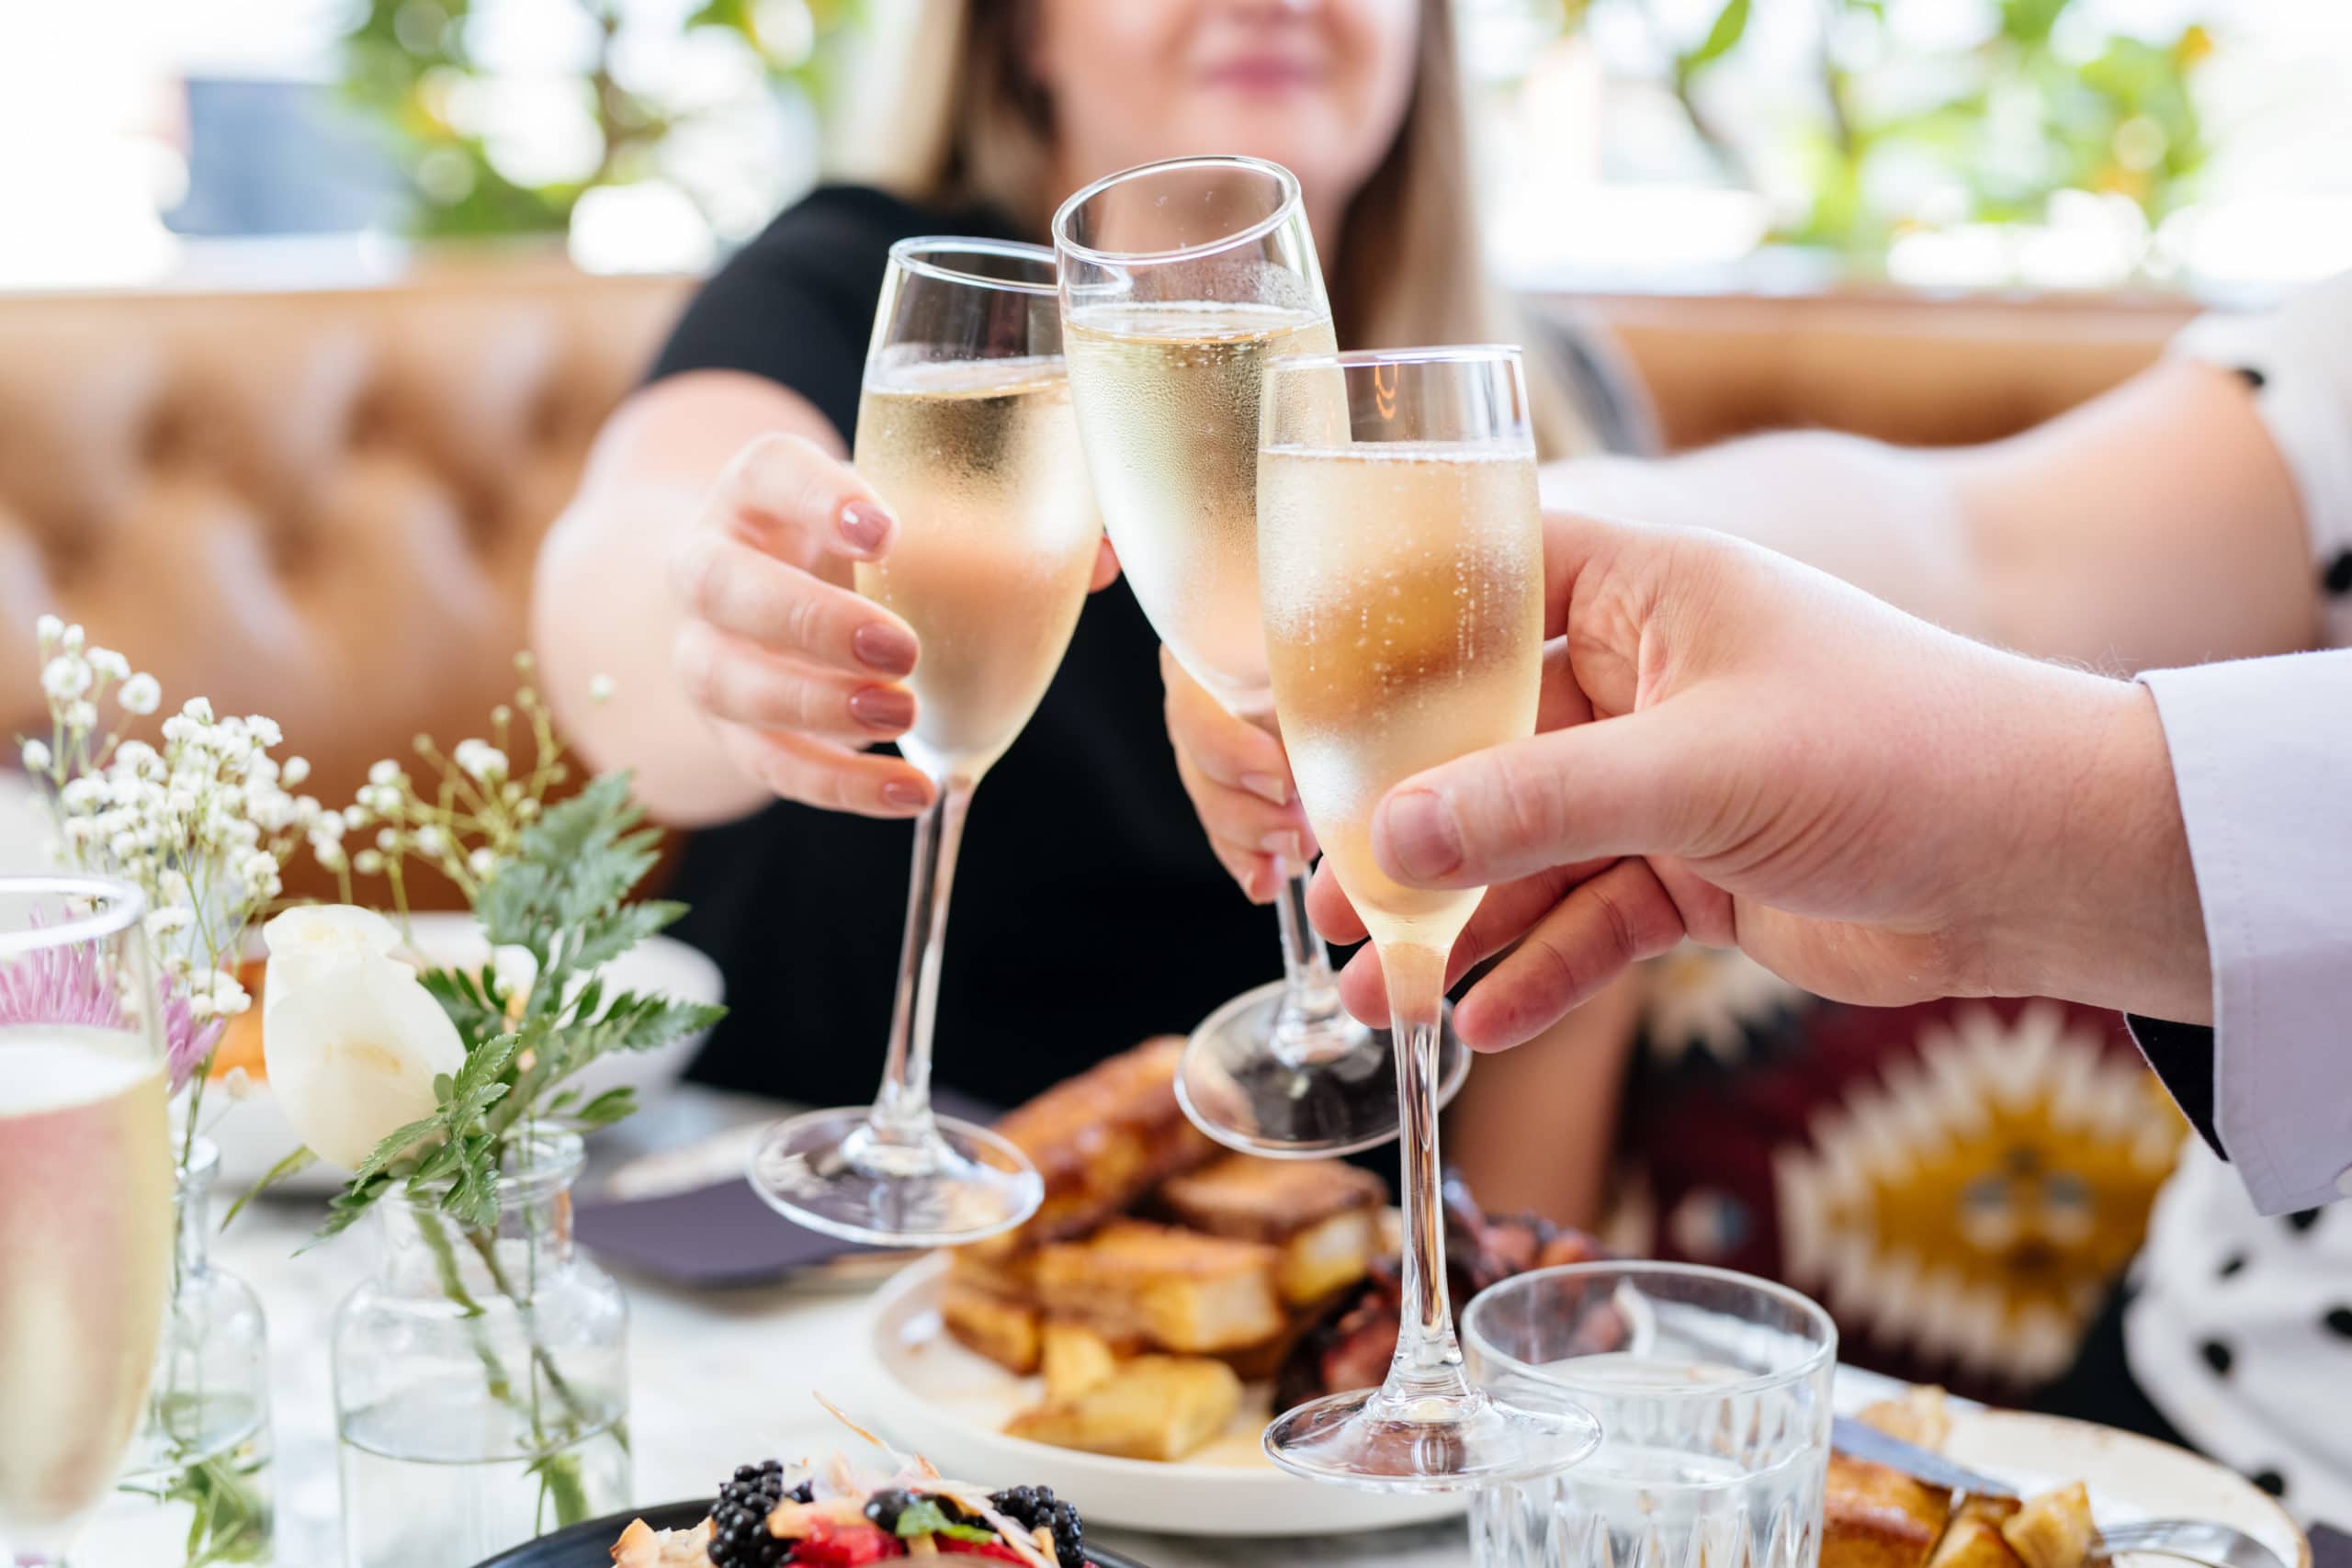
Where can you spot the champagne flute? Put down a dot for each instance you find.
(1181, 282)
(86, 1201)
(1400, 556)
(964, 428)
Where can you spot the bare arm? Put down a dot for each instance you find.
(2156, 525)
(1533, 1130)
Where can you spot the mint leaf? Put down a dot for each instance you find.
(925, 1516)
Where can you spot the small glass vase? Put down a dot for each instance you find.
(481, 1377)
(196, 1487)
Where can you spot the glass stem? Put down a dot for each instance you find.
(902, 1111)
(1428, 1365)
(1305, 1028)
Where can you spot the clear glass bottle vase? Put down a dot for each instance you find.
(481, 1377)
(196, 1484)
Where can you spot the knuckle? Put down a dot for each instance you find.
(695, 569)
(694, 659)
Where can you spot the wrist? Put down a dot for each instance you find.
(2105, 910)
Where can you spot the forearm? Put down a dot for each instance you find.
(1891, 522)
(2101, 905)
(1533, 1128)
(601, 606)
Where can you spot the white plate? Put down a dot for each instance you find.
(254, 1135)
(950, 1406)
(2129, 1477)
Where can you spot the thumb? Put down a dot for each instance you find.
(1615, 787)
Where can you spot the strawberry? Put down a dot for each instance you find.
(950, 1547)
(831, 1545)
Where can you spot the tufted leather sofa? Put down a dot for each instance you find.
(320, 507)
(324, 505)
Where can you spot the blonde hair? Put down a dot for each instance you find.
(969, 124)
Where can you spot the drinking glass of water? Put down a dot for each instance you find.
(1712, 1393)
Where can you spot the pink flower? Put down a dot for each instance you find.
(68, 984)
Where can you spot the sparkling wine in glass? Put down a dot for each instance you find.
(964, 428)
(86, 1201)
(1400, 558)
(1182, 283)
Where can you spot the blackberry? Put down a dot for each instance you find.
(884, 1507)
(1030, 1507)
(739, 1535)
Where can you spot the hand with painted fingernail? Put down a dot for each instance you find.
(1240, 784)
(798, 672)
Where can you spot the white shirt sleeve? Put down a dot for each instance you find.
(2298, 359)
(2262, 756)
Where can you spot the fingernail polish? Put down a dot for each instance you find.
(1267, 787)
(1284, 845)
(866, 527)
(904, 796)
(888, 649)
(883, 707)
(1423, 839)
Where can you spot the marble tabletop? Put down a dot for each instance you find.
(715, 1377)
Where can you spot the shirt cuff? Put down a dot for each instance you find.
(2181, 1056)
(2262, 756)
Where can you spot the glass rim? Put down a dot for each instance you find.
(913, 255)
(1284, 180)
(1367, 358)
(122, 906)
(1754, 1382)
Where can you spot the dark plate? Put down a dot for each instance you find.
(590, 1545)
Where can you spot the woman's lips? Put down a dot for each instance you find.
(1262, 74)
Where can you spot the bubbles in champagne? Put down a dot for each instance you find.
(1404, 619)
(995, 547)
(1168, 398)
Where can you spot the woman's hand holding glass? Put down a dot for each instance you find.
(798, 672)
(1239, 781)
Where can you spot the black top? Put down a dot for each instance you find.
(1088, 910)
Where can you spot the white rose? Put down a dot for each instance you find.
(352, 1041)
(313, 939)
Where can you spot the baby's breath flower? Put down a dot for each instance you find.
(81, 715)
(600, 688)
(354, 817)
(70, 638)
(328, 853)
(65, 677)
(48, 629)
(368, 863)
(110, 664)
(295, 772)
(384, 773)
(37, 757)
(141, 695)
(171, 918)
(485, 762)
(431, 840)
(199, 709)
(387, 840)
(482, 862)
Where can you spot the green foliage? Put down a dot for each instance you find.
(410, 64)
(2021, 115)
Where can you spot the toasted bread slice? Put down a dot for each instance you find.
(1268, 1200)
(1973, 1542)
(1160, 1407)
(1101, 1141)
(1005, 1332)
(1878, 1518)
(1076, 1358)
(1328, 1255)
(1918, 1417)
(1177, 1288)
(2054, 1529)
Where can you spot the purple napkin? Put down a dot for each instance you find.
(720, 1236)
(2331, 1548)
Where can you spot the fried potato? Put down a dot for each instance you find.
(1075, 1358)
(1005, 1332)
(1181, 1290)
(1973, 1541)
(1919, 1417)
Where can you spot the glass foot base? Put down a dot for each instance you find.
(1339, 1099)
(833, 1171)
(1360, 1439)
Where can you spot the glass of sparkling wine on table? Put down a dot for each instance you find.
(86, 1201)
(1712, 1392)
(965, 428)
(1182, 283)
(1400, 559)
